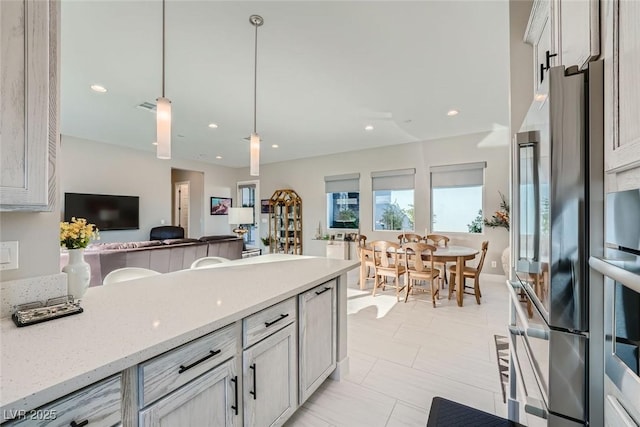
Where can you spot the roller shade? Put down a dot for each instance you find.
(347, 183)
(462, 175)
(400, 179)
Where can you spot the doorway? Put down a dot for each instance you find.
(181, 207)
(187, 201)
(248, 194)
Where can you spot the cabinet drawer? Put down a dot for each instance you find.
(264, 323)
(177, 367)
(97, 405)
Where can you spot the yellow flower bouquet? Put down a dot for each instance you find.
(77, 234)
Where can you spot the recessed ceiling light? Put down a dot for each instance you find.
(274, 146)
(98, 88)
(452, 113)
(368, 127)
(154, 143)
(213, 126)
(218, 157)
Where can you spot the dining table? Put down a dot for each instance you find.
(459, 255)
(443, 254)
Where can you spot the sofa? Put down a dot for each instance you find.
(160, 255)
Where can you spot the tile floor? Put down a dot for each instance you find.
(403, 355)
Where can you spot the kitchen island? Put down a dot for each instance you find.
(237, 307)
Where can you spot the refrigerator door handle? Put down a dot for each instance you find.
(626, 278)
(528, 330)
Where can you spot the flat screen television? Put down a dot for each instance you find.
(106, 211)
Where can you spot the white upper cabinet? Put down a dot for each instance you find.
(577, 25)
(28, 104)
(562, 32)
(622, 90)
(539, 35)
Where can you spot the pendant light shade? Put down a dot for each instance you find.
(163, 130)
(254, 153)
(254, 141)
(163, 111)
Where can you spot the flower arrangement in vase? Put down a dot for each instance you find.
(75, 236)
(501, 217)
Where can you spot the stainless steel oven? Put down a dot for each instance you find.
(621, 270)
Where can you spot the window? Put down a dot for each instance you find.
(343, 200)
(456, 197)
(393, 199)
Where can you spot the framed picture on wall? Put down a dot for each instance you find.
(220, 205)
(265, 208)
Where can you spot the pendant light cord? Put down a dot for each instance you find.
(163, 25)
(255, 81)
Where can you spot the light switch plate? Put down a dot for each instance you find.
(8, 255)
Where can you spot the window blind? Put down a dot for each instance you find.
(400, 179)
(347, 183)
(461, 175)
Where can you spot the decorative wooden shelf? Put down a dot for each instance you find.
(285, 222)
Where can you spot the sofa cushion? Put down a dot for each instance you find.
(218, 237)
(177, 241)
(148, 243)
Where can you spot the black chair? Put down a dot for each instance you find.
(166, 232)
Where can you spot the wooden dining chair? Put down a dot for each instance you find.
(442, 241)
(365, 255)
(409, 237)
(387, 264)
(470, 273)
(420, 270)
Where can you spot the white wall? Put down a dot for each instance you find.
(306, 177)
(92, 167)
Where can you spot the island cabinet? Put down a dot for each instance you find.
(28, 104)
(317, 336)
(196, 383)
(269, 365)
(96, 405)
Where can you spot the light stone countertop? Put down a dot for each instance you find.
(126, 323)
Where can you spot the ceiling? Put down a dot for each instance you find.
(326, 69)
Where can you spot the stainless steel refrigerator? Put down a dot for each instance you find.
(556, 325)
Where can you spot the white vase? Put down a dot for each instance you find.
(506, 254)
(78, 273)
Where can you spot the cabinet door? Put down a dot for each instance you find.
(317, 317)
(578, 31)
(209, 400)
(270, 379)
(538, 34)
(28, 104)
(624, 151)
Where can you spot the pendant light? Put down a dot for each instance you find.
(163, 110)
(254, 141)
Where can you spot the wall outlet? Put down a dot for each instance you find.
(494, 264)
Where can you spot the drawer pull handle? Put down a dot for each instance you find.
(208, 356)
(254, 393)
(234, 380)
(282, 316)
(322, 291)
(80, 424)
